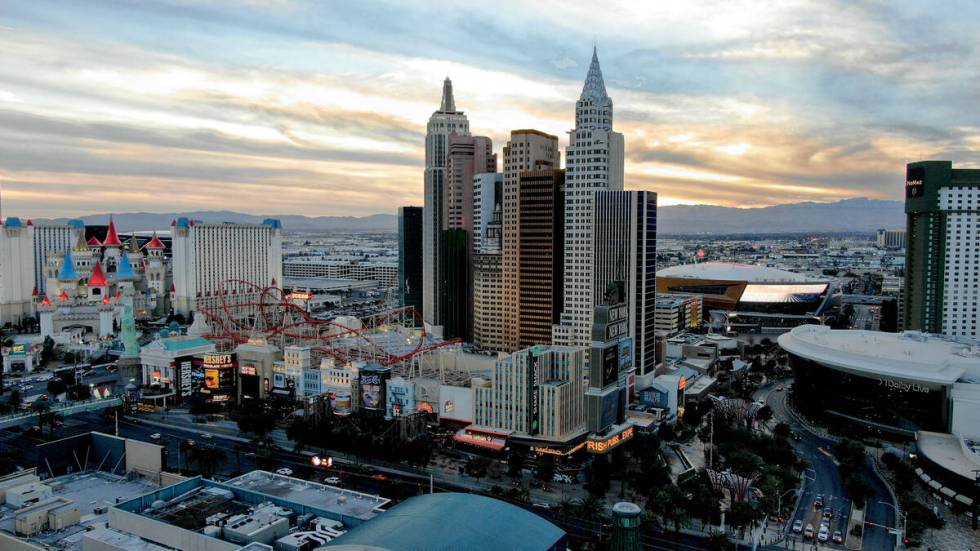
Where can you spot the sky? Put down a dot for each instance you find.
(319, 107)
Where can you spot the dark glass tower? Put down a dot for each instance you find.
(410, 257)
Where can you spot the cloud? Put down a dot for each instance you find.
(313, 108)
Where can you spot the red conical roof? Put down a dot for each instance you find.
(94, 242)
(46, 301)
(105, 299)
(173, 289)
(111, 237)
(118, 295)
(35, 292)
(97, 279)
(30, 222)
(155, 243)
(64, 296)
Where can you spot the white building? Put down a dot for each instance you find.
(168, 362)
(234, 258)
(891, 239)
(297, 360)
(342, 385)
(678, 313)
(16, 270)
(447, 120)
(593, 162)
(50, 239)
(536, 392)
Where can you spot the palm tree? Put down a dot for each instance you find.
(717, 541)
(49, 418)
(207, 459)
(565, 508)
(591, 507)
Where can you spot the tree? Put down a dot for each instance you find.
(545, 469)
(257, 422)
(591, 507)
(782, 430)
(79, 392)
(14, 400)
(207, 459)
(515, 464)
(717, 541)
(47, 349)
(669, 505)
(51, 419)
(56, 387)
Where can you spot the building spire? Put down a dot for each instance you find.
(448, 102)
(594, 87)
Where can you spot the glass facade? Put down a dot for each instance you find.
(892, 405)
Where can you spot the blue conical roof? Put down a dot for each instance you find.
(68, 270)
(124, 270)
(594, 87)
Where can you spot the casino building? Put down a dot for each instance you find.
(893, 383)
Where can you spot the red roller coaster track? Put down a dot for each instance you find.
(246, 311)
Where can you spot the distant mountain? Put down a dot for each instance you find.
(136, 221)
(849, 215)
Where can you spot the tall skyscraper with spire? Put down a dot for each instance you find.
(593, 162)
(444, 122)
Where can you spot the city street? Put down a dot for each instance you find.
(823, 478)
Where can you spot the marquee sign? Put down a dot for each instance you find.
(605, 445)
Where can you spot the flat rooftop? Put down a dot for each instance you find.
(327, 284)
(87, 491)
(728, 271)
(949, 452)
(910, 355)
(312, 494)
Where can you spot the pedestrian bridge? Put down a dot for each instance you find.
(64, 408)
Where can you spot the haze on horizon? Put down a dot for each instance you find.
(304, 107)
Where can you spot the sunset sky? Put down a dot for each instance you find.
(318, 107)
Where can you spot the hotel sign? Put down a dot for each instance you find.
(605, 445)
(902, 386)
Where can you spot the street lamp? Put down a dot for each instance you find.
(905, 519)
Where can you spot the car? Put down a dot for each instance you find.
(190, 442)
(808, 532)
(818, 503)
(823, 534)
(545, 506)
(837, 537)
(779, 389)
(285, 471)
(379, 476)
(155, 436)
(206, 436)
(331, 480)
(828, 515)
(797, 526)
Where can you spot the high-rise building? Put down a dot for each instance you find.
(625, 249)
(468, 156)
(891, 239)
(16, 270)
(677, 313)
(593, 162)
(234, 259)
(443, 122)
(540, 208)
(410, 257)
(527, 151)
(487, 276)
(538, 392)
(942, 257)
(51, 239)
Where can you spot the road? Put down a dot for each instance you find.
(823, 477)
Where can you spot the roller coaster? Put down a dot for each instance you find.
(245, 312)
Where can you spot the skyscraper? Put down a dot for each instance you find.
(468, 156)
(593, 162)
(443, 122)
(942, 257)
(487, 275)
(625, 249)
(527, 151)
(232, 258)
(51, 239)
(16, 270)
(410, 257)
(540, 208)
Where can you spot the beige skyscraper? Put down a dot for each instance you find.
(527, 151)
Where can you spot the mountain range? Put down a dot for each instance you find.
(846, 216)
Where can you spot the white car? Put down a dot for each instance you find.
(285, 471)
(823, 534)
(205, 436)
(797, 526)
(331, 480)
(155, 436)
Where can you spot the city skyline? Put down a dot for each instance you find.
(294, 108)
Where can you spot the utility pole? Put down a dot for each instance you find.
(976, 495)
(117, 423)
(711, 442)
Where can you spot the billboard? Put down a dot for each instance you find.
(372, 382)
(341, 401)
(625, 353)
(456, 403)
